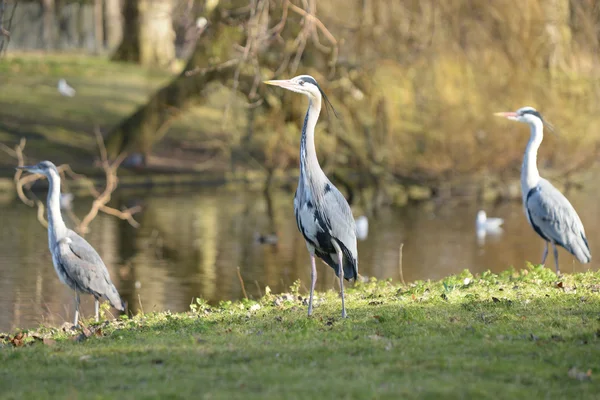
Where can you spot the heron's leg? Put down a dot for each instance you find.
(556, 258)
(313, 280)
(341, 274)
(97, 308)
(545, 254)
(76, 308)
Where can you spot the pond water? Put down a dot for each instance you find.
(191, 245)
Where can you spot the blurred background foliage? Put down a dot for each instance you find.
(415, 82)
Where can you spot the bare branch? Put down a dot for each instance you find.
(101, 199)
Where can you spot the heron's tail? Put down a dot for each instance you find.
(581, 250)
(115, 300)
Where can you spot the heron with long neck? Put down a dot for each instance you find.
(322, 213)
(75, 261)
(548, 211)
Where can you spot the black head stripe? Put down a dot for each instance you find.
(310, 80)
(533, 112)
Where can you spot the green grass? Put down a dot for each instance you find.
(514, 335)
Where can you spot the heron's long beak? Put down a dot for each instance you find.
(28, 168)
(506, 114)
(284, 83)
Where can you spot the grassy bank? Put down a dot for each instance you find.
(61, 128)
(517, 335)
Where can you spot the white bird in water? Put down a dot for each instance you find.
(490, 225)
(486, 226)
(548, 211)
(65, 89)
(362, 227)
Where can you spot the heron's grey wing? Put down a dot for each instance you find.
(554, 218)
(84, 250)
(339, 218)
(83, 265)
(86, 275)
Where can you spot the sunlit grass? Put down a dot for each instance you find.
(521, 334)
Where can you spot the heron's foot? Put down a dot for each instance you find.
(310, 311)
(344, 314)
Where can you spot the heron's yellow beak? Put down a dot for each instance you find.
(506, 114)
(284, 83)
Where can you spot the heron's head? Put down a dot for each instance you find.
(45, 168)
(528, 115)
(304, 84)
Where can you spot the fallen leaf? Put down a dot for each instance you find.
(443, 296)
(559, 285)
(18, 339)
(495, 299)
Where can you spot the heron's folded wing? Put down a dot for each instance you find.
(552, 214)
(83, 264)
(340, 219)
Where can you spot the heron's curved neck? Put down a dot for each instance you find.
(530, 176)
(309, 164)
(56, 226)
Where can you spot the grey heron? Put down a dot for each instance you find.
(322, 213)
(75, 261)
(548, 211)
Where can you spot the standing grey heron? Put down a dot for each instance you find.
(322, 213)
(548, 211)
(75, 261)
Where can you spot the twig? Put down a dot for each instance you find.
(242, 283)
(400, 263)
(218, 67)
(140, 303)
(258, 287)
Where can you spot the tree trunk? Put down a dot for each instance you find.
(48, 24)
(114, 23)
(146, 126)
(129, 49)
(149, 38)
(98, 26)
(157, 36)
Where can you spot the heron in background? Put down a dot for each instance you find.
(75, 261)
(548, 211)
(322, 213)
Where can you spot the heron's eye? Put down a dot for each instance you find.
(301, 83)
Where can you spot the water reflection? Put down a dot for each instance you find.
(190, 245)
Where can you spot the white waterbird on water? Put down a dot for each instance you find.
(489, 225)
(362, 227)
(548, 211)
